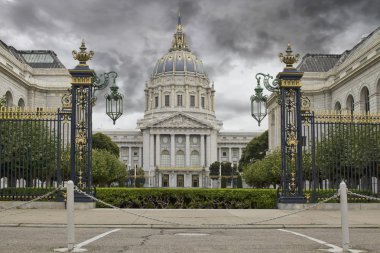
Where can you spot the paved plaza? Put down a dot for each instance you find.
(224, 230)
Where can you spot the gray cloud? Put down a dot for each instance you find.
(129, 36)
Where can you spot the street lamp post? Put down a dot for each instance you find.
(287, 85)
(81, 100)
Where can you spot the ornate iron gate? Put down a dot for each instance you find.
(340, 146)
(34, 151)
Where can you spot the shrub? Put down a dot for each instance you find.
(188, 198)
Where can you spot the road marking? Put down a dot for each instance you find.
(333, 248)
(80, 245)
(192, 234)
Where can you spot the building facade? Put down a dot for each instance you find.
(349, 81)
(33, 78)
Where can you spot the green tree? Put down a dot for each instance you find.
(255, 150)
(102, 141)
(28, 150)
(226, 169)
(3, 101)
(140, 177)
(107, 169)
(350, 152)
(264, 172)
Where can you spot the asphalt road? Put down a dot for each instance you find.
(46, 239)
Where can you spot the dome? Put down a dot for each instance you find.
(179, 63)
(179, 60)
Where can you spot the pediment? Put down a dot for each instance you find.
(180, 121)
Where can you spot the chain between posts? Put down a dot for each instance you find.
(362, 196)
(33, 200)
(205, 225)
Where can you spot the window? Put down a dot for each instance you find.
(194, 158)
(224, 154)
(350, 104)
(192, 101)
(179, 100)
(165, 158)
(364, 99)
(195, 180)
(167, 100)
(135, 153)
(156, 101)
(180, 180)
(165, 180)
(203, 102)
(180, 159)
(235, 152)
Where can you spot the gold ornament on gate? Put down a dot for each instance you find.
(289, 58)
(83, 56)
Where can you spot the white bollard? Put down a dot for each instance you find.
(344, 216)
(70, 216)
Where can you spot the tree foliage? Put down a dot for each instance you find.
(350, 152)
(102, 141)
(139, 181)
(255, 150)
(107, 169)
(28, 150)
(226, 169)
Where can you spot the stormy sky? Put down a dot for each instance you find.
(235, 39)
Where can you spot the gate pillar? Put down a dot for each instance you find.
(291, 130)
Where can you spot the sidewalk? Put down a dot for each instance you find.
(189, 218)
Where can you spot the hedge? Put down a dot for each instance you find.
(166, 198)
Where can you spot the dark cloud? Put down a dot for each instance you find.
(129, 36)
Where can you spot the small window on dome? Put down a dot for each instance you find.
(169, 64)
(160, 67)
(179, 66)
(190, 65)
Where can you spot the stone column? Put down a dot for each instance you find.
(151, 151)
(208, 151)
(230, 154)
(172, 150)
(220, 154)
(145, 161)
(130, 156)
(158, 150)
(187, 154)
(186, 98)
(140, 157)
(172, 102)
(213, 146)
(240, 154)
(160, 97)
(199, 97)
(202, 150)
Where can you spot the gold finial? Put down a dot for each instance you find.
(83, 56)
(289, 59)
(179, 42)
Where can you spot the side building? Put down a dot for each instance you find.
(337, 82)
(32, 78)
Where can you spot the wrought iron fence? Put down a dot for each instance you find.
(34, 151)
(341, 146)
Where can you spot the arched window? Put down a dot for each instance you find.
(21, 103)
(195, 161)
(337, 107)
(180, 159)
(350, 104)
(165, 158)
(9, 99)
(364, 100)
